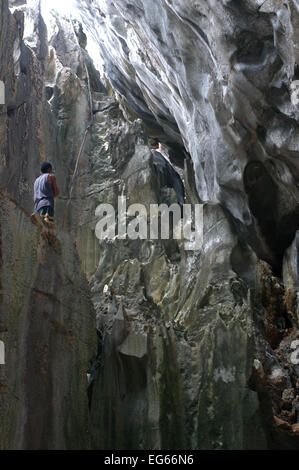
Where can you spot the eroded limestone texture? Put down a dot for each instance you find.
(196, 349)
(47, 319)
(219, 78)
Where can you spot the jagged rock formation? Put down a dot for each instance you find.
(196, 349)
(214, 81)
(219, 72)
(47, 319)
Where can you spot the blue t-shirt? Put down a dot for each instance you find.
(43, 192)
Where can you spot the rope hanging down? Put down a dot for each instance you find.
(84, 136)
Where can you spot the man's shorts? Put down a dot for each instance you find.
(47, 212)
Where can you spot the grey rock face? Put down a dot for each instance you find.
(47, 319)
(196, 349)
(219, 79)
(47, 326)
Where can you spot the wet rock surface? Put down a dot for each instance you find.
(219, 78)
(221, 73)
(196, 349)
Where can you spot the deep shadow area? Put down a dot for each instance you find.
(278, 224)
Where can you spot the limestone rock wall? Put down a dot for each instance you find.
(216, 83)
(47, 326)
(219, 77)
(47, 318)
(195, 349)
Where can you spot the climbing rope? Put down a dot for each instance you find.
(84, 136)
(5, 193)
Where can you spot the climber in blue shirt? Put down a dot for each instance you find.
(45, 190)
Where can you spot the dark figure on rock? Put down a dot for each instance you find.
(168, 176)
(45, 190)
